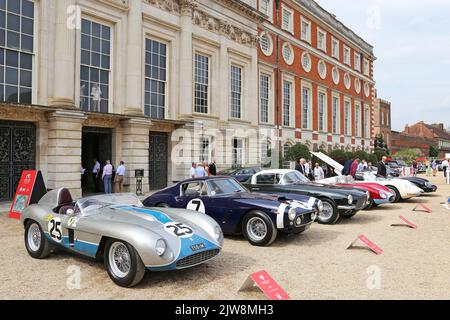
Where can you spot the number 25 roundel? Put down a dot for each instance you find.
(196, 205)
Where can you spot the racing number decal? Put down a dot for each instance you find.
(178, 229)
(196, 205)
(54, 229)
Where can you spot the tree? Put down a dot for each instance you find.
(434, 151)
(380, 145)
(298, 151)
(407, 154)
(362, 155)
(338, 155)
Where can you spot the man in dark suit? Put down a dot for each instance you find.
(382, 171)
(300, 166)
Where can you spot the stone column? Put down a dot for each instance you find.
(186, 58)
(134, 67)
(64, 55)
(42, 148)
(64, 150)
(135, 142)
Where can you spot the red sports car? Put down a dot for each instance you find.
(379, 194)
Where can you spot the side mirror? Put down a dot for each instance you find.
(70, 212)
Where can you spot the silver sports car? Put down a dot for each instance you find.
(130, 238)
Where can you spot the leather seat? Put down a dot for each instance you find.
(64, 197)
(63, 209)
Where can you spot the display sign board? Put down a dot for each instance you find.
(367, 243)
(266, 284)
(30, 190)
(406, 223)
(423, 207)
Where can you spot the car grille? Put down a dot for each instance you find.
(360, 203)
(197, 258)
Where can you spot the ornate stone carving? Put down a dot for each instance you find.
(187, 6)
(168, 5)
(21, 114)
(216, 25)
(103, 122)
(120, 4)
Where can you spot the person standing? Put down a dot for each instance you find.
(118, 179)
(382, 171)
(206, 168)
(192, 170)
(445, 165)
(362, 166)
(212, 168)
(300, 166)
(318, 172)
(434, 167)
(200, 171)
(354, 168)
(107, 175)
(83, 176)
(95, 173)
(414, 168)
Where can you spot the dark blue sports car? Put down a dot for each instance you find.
(258, 217)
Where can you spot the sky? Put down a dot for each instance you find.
(411, 40)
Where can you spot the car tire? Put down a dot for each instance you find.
(162, 205)
(395, 191)
(123, 275)
(331, 215)
(370, 205)
(36, 242)
(259, 229)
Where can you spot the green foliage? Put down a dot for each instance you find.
(434, 151)
(338, 155)
(298, 151)
(361, 155)
(407, 154)
(380, 153)
(372, 158)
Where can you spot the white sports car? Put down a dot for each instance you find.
(402, 189)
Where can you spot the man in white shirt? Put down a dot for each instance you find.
(95, 172)
(118, 179)
(107, 175)
(192, 170)
(200, 171)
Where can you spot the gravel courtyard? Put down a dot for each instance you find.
(315, 265)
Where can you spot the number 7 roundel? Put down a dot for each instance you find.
(196, 205)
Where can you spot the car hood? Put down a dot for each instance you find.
(318, 187)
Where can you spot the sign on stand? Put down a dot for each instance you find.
(367, 244)
(406, 223)
(30, 190)
(266, 284)
(423, 207)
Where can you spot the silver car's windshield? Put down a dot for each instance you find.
(91, 205)
(294, 177)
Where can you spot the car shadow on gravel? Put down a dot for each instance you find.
(361, 218)
(224, 265)
(310, 238)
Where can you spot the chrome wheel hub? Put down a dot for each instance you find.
(327, 211)
(34, 237)
(119, 259)
(256, 229)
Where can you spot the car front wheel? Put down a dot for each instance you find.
(123, 263)
(396, 193)
(35, 241)
(259, 229)
(329, 214)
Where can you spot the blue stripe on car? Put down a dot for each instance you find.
(185, 243)
(79, 245)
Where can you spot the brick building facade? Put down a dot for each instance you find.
(315, 78)
(382, 120)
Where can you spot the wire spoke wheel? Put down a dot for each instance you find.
(119, 259)
(256, 228)
(34, 237)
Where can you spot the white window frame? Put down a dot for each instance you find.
(241, 90)
(290, 27)
(322, 47)
(358, 122)
(347, 57)
(239, 156)
(357, 61)
(366, 66)
(291, 102)
(308, 31)
(366, 121)
(348, 120)
(334, 42)
(270, 44)
(208, 149)
(208, 107)
(291, 60)
(323, 92)
(269, 100)
(269, 11)
(336, 97)
(308, 86)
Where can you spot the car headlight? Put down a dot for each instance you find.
(383, 195)
(298, 221)
(160, 247)
(314, 216)
(368, 194)
(218, 234)
(350, 199)
(428, 184)
(319, 206)
(292, 213)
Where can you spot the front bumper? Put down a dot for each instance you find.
(383, 201)
(433, 188)
(296, 224)
(347, 208)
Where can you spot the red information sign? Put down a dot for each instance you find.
(30, 189)
(424, 208)
(264, 281)
(372, 246)
(407, 223)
